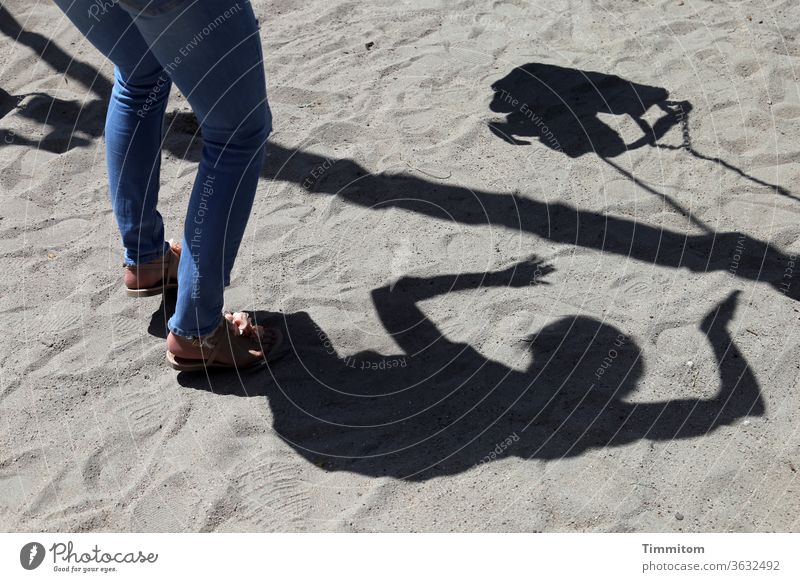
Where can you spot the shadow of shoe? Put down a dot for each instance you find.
(158, 320)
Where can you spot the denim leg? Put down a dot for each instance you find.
(212, 51)
(134, 123)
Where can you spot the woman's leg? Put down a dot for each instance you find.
(133, 124)
(212, 51)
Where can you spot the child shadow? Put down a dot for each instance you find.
(560, 108)
(439, 407)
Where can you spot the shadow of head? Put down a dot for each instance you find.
(587, 349)
(559, 106)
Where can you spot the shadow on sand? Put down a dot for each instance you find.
(440, 407)
(69, 123)
(560, 108)
(570, 99)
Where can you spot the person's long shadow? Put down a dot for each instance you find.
(572, 99)
(742, 255)
(440, 407)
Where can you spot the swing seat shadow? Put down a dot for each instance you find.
(559, 107)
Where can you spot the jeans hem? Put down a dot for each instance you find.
(201, 332)
(148, 258)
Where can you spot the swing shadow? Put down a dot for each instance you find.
(560, 106)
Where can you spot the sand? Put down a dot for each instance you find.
(494, 325)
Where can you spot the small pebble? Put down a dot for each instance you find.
(679, 516)
(690, 363)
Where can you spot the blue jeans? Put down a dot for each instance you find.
(211, 50)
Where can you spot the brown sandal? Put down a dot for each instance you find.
(237, 338)
(168, 265)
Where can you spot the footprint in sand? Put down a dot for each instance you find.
(62, 317)
(143, 411)
(272, 492)
(171, 505)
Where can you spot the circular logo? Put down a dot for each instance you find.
(31, 555)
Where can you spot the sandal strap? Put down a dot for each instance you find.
(217, 340)
(237, 334)
(211, 342)
(232, 329)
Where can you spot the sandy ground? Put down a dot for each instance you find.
(509, 308)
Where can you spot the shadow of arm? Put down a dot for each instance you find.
(404, 320)
(739, 394)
